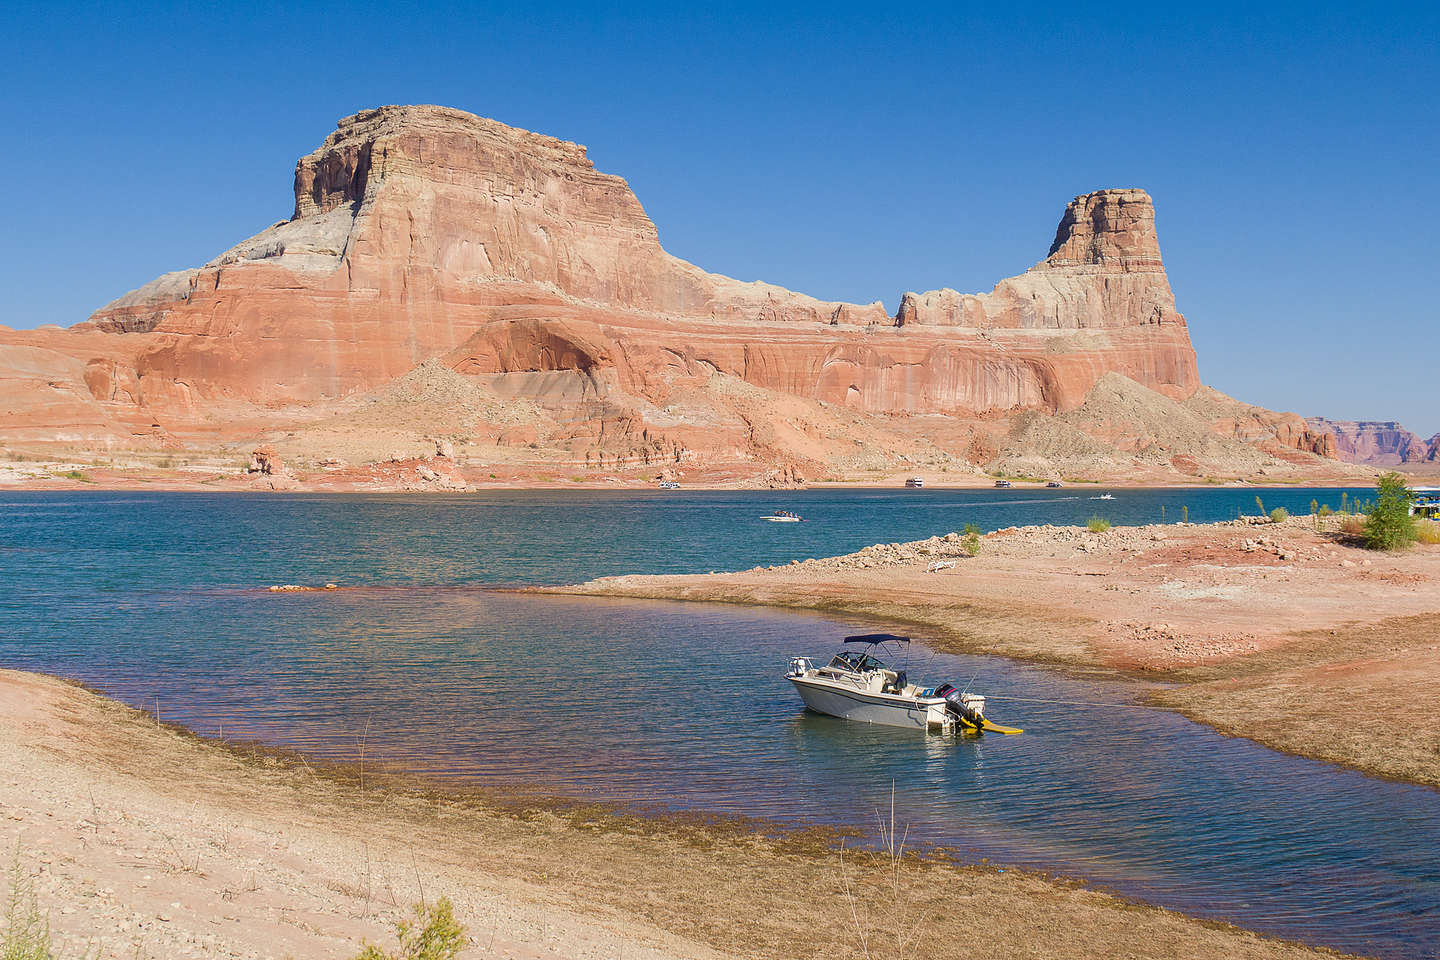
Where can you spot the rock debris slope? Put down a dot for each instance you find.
(427, 236)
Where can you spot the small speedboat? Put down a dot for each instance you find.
(857, 685)
(1004, 484)
(1053, 484)
(915, 483)
(669, 485)
(1104, 496)
(784, 516)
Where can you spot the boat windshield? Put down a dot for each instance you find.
(856, 661)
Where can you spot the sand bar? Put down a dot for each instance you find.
(1292, 635)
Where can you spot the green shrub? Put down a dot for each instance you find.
(1324, 510)
(1260, 505)
(1278, 514)
(971, 541)
(26, 931)
(1389, 525)
(1185, 513)
(1097, 524)
(434, 934)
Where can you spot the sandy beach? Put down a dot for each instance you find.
(1287, 633)
(141, 840)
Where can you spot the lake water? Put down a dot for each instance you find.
(160, 600)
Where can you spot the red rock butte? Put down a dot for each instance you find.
(428, 236)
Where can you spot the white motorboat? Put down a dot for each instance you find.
(784, 516)
(857, 685)
(669, 485)
(1104, 496)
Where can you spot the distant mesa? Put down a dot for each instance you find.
(445, 274)
(1377, 442)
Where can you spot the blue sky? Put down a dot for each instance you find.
(851, 153)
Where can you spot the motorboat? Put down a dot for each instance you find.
(669, 485)
(915, 483)
(1004, 484)
(1104, 496)
(784, 516)
(858, 685)
(1054, 484)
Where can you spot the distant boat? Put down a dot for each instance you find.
(784, 516)
(1104, 496)
(1004, 484)
(915, 482)
(669, 485)
(1054, 483)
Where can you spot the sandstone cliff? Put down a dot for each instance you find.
(425, 236)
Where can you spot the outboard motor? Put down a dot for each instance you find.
(969, 707)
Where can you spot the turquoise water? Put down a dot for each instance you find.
(159, 600)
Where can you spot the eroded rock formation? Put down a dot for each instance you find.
(1379, 442)
(425, 235)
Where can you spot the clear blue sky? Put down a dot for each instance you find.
(848, 153)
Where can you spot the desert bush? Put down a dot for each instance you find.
(1324, 510)
(1185, 513)
(1279, 514)
(434, 934)
(1352, 526)
(26, 931)
(1427, 531)
(1388, 524)
(971, 540)
(1260, 506)
(1097, 524)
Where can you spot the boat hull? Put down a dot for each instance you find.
(886, 709)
